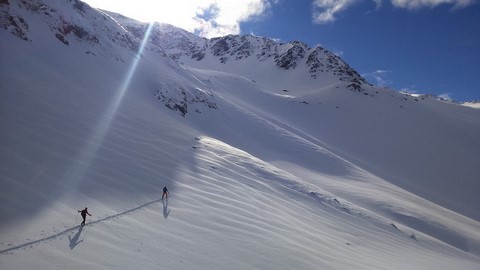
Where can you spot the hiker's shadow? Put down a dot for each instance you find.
(166, 211)
(74, 241)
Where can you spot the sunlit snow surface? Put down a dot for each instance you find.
(308, 178)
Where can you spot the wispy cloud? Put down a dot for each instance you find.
(378, 77)
(446, 96)
(417, 4)
(326, 11)
(338, 53)
(378, 4)
(410, 89)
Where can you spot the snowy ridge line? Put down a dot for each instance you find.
(91, 223)
(113, 19)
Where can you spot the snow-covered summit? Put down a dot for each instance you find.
(223, 52)
(91, 29)
(473, 104)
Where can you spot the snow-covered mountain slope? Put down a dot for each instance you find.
(317, 78)
(268, 167)
(473, 104)
(251, 56)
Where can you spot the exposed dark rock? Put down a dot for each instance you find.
(290, 58)
(12, 22)
(61, 38)
(80, 6)
(220, 48)
(178, 99)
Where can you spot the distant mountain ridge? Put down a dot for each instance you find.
(96, 28)
(287, 56)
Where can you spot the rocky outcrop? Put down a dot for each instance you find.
(184, 100)
(12, 21)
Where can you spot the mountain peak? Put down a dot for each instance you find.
(231, 49)
(97, 31)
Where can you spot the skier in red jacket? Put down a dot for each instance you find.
(84, 214)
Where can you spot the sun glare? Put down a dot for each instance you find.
(207, 17)
(96, 139)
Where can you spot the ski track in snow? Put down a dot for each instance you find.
(88, 224)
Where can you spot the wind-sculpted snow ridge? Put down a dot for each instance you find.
(233, 205)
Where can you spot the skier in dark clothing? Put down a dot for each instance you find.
(165, 193)
(84, 214)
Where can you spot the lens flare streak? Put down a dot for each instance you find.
(95, 141)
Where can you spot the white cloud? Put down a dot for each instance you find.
(378, 4)
(445, 96)
(417, 4)
(209, 18)
(338, 53)
(227, 18)
(325, 10)
(212, 18)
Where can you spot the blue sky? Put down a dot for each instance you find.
(429, 50)
(420, 46)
